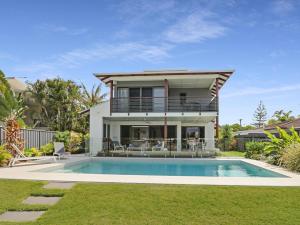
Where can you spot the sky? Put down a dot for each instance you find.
(74, 39)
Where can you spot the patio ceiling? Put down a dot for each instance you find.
(176, 78)
(191, 119)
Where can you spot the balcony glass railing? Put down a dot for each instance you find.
(162, 104)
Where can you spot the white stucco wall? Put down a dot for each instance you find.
(96, 126)
(100, 114)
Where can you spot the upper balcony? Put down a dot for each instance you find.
(165, 91)
(163, 104)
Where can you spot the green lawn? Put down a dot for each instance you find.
(232, 154)
(160, 204)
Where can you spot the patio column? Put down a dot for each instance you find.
(111, 96)
(178, 137)
(166, 86)
(217, 102)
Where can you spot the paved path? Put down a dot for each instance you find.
(41, 200)
(59, 185)
(28, 216)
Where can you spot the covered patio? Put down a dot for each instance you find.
(179, 134)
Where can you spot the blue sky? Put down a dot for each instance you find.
(73, 39)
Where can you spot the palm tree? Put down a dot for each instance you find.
(282, 116)
(11, 109)
(92, 98)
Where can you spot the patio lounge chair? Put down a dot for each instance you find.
(59, 150)
(118, 146)
(160, 146)
(21, 157)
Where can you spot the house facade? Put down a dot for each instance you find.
(175, 107)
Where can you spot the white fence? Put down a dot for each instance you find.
(33, 138)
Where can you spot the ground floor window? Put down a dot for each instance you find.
(143, 132)
(191, 133)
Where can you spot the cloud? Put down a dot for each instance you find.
(62, 29)
(282, 7)
(259, 91)
(130, 51)
(196, 27)
(123, 51)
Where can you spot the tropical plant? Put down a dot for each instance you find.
(255, 150)
(32, 152)
(47, 149)
(275, 147)
(4, 156)
(93, 97)
(282, 116)
(62, 136)
(58, 103)
(10, 105)
(11, 110)
(291, 157)
(226, 137)
(71, 140)
(74, 142)
(260, 115)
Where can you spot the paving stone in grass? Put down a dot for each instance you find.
(59, 185)
(21, 216)
(41, 200)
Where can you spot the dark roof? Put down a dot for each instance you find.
(285, 125)
(223, 75)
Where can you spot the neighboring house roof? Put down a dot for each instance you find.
(254, 132)
(271, 128)
(16, 85)
(285, 125)
(222, 75)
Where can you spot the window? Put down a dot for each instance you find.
(193, 132)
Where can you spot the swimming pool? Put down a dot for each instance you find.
(168, 167)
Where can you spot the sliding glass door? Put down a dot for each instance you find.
(158, 99)
(122, 100)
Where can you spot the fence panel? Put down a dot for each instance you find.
(33, 138)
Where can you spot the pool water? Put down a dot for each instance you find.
(167, 167)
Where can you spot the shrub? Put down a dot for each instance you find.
(291, 157)
(4, 156)
(274, 149)
(32, 152)
(255, 150)
(62, 136)
(47, 149)
(74, 142)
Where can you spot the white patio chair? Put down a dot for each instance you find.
(21, 157)
(160, 146)
(59, 150)
(118, 146)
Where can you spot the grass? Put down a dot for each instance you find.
(232, 154)
(160, 204)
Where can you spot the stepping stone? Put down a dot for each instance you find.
(21, 216)
(59, 185)
(41, 200)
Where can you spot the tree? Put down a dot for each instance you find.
(9, 103)
(92, 98)
(57, 103)
(226, 137)
(260, 115)
(11, 110)
(282, 116)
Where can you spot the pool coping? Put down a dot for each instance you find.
(30, 172)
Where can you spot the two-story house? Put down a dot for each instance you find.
(177, 107)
